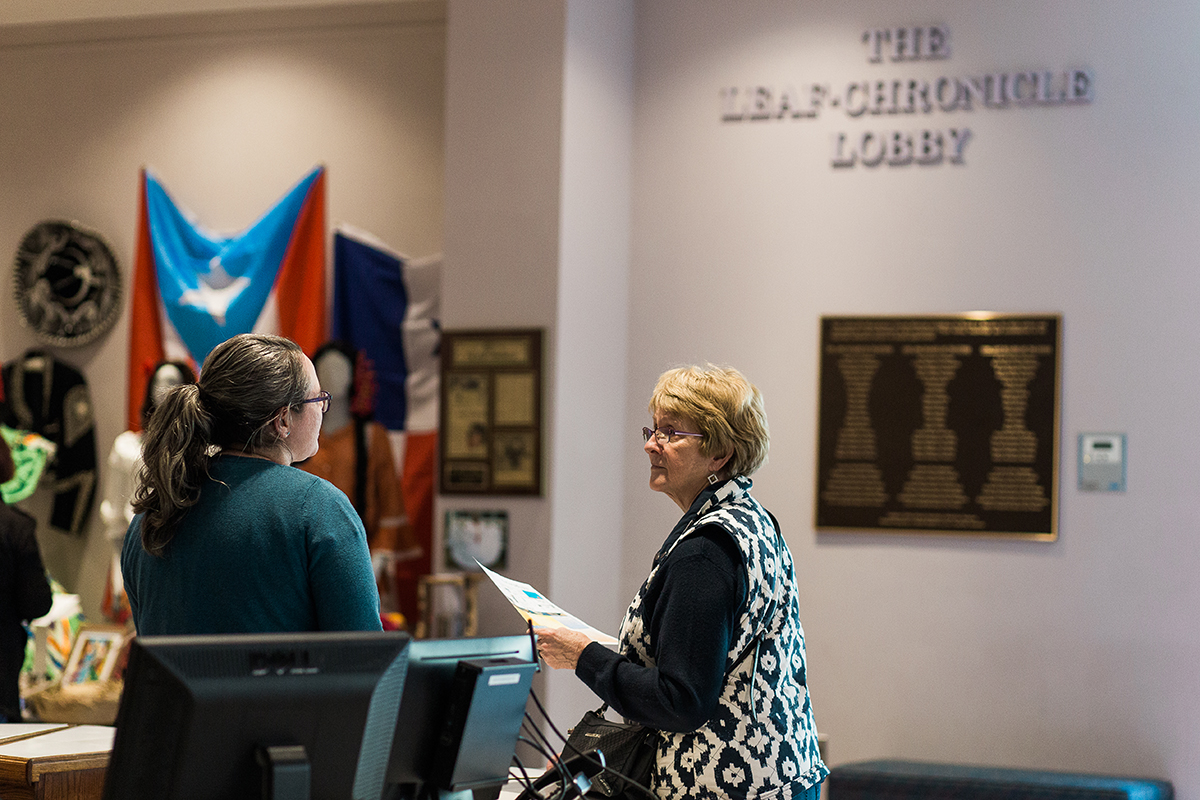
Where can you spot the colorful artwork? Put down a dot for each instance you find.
(94, 655)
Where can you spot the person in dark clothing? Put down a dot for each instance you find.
(24, 591)
(711, 651)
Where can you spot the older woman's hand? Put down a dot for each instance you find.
(560, 647)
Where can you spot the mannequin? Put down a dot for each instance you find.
(116, 511)
(355, 455)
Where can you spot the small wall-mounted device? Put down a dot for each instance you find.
(1102, 462)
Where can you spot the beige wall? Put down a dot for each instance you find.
(34, 12)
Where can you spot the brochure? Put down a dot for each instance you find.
(537, 608)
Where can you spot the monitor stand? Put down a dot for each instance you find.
(286, 773)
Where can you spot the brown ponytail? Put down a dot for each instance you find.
(174, 464)
(244, 383)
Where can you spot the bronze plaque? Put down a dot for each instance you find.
(939, 424)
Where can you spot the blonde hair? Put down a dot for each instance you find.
(726, 407)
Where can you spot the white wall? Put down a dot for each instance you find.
(590, 435)
(1078, 654)
(230, 111)
(503, 118)
(539, 127)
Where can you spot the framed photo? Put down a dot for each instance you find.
(940, 424)
(476, 536)
(491, 412)
(94, 655)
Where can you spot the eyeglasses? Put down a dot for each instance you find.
(666, 434)
(323, 398)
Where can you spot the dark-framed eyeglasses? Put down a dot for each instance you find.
(666, 434)
(323, 398)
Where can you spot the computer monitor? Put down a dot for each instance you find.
(258, 715)
(442, 748)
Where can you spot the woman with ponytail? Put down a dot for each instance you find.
(228, 536)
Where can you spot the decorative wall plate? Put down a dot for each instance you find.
(66, 284)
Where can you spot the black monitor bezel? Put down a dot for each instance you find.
(276, 688)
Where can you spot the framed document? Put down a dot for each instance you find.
(476, 536)
(94, 654)
(491, 413)
(945, 424)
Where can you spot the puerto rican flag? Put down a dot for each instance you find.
(193, 289)
(388, 306)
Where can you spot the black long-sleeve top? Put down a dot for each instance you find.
(692, 608)
(24, 595)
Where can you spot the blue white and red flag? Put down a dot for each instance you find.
(193, 289)
(387, 306)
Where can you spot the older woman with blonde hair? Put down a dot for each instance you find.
(711, 649)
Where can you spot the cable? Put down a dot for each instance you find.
(530, 787)
(554, 778)
(537, 702)
(566, 780)
(523, 779)
(566, 741)
(554, 762)
(543, 747)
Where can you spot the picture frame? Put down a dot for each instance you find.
(491, 412)
(476, 536)
(94, 655)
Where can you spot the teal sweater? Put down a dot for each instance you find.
(268, 548)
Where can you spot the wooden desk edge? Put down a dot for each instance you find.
(30, 770)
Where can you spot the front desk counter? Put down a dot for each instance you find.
(53, 762)
(42, 761)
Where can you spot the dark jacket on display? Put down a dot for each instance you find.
(48, 397)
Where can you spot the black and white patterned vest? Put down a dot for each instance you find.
(761, 743)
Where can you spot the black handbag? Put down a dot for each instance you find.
(622, 773)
